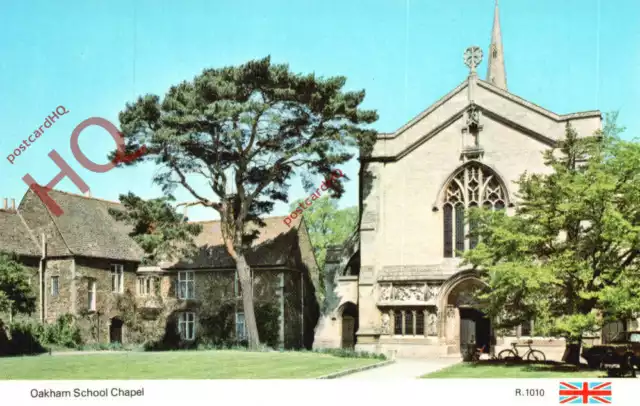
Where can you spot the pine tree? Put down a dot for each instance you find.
(234, 137)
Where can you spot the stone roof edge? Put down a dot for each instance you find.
(55, 224)
(32, 237)
(532, 106)
(284, 267)
(448, 122)
(424, 113)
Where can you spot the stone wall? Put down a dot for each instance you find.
(58, 305)
(95, 324)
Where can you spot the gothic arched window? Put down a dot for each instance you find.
(472, 186)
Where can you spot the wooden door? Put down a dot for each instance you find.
(348, 331)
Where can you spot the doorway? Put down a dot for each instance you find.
(475, 329)
(115, 330)
(349, 325)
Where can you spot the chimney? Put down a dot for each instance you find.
(13, 204)
(6, 204)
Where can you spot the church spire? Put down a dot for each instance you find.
(496, 73)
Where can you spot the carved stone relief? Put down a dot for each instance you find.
(385, 323)
(409, 293)
(417, 292)
(432, 324)
(385, 293)
(432, 292)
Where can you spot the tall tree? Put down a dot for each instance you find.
(568, 258)
(16, 295)
(327, 225)
(161, 232)
(246, 130)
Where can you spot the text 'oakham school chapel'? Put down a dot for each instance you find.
(397, 284)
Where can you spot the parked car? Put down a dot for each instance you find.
(621, 354)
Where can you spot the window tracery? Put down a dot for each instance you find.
(473, 186)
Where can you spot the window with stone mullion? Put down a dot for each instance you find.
(473, 186)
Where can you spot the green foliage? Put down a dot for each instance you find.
(240, 134)
(30, 337)
(16, 295)
(159, 230)
(348, 353)
(24, 339)
(64, 332)
(171, 339)
(217, 326)
(268, 320)
(568, 257)
(327, 225)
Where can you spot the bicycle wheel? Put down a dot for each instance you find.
(507, 355)
(536, 356)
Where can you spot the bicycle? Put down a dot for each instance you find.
(514, 355)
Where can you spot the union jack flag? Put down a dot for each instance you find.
(591, 393)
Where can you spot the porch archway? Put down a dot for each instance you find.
(463, 322)
(348, 316)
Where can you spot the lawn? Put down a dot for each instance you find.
(517, 370)
(178, 365)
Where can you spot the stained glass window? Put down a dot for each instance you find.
(472, 186)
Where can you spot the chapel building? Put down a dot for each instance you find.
(398, 285)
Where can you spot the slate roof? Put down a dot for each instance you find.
(88, 229)
(274, 247)
(14, 235)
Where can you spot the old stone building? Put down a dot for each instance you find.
(84, 263)
(398, 283)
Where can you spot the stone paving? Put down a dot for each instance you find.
(405, 368)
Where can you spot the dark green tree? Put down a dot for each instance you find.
(16, 295)
(568, 257)
(327, 225)
(234, 137)
(159, 230)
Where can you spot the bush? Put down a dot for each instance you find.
(24, 338)
(29, 337)
(268, 320)
(348, 353)
(64, 332)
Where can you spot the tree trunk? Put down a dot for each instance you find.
(572, 353)
(244, 274)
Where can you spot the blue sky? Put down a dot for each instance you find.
(94, 56)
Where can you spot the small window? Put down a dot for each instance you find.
(419, 323)
(241, 330)
(141, 286)
(55, 285)
(92, 296)
(408, 323)
(117, 278)
(397, 320)
(187, 325)
(186, 285)
(634, 338)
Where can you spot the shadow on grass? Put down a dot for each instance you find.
(546, 366)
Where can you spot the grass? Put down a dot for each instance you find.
(178, 365)
(493, 369)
